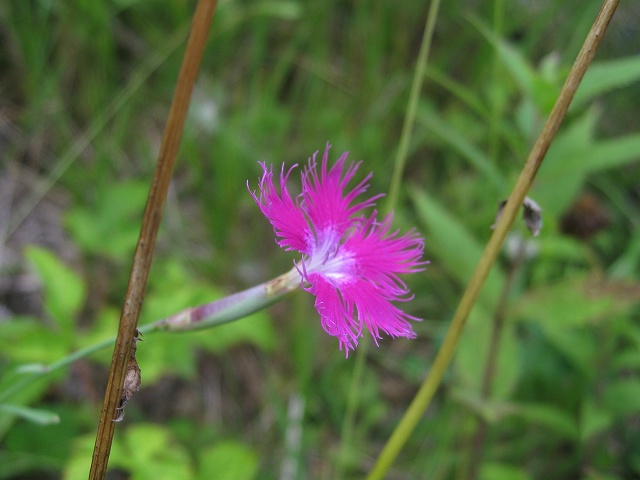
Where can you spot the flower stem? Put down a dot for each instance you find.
(224, 310)
(423, 398)
(230, 308)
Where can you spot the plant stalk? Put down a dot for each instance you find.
(424, 395)
(353, 402)
(477, 444)
(148, 231)
(209, 315)
(412, 108)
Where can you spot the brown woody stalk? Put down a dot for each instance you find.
(146, 242)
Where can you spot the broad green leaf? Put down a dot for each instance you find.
(152, 453)
(473, 350)
(626, 265)
(604, 76)
(502, 471)
(622, 397)
(27, 340)
(79, 462)
(111, 226)
(576, 301)
(489, 410)
(551, 417)
(563, 171)
(35, 415)
(279, 9)
(453, 246)
(64, 290)
(573, 155)
(145, 451)
(23, 396)
(611, 153)
(576, 345)
(227, 461)
(593, 420)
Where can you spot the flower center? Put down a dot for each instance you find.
(329, 259)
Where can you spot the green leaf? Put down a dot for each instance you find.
(622, 397)
(458, 141)
(473, 350)
(151, 452)
(563, 171)
(64, 290)
(602, 77)
(575, 154)
(551, 417)
(26, 340)
(228, 461)
(593, 420)
(35, 415)
(502, 471)
(611, 153)
(110, 226)
(145, 451)
(533, 85)
(576, 301)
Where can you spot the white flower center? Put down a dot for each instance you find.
(329, 259)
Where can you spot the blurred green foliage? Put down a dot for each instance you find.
(86, 89)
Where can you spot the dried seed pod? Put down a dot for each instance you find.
(132, 378)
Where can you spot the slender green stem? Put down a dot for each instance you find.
(392, 200)
(44, 370)
(423, 398)
(225, 310)
(496, 71)
(353, 402)
(412, 108)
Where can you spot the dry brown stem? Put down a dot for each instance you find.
(146, 242)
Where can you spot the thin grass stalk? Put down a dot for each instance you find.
(496, 73)
(412, 107)
(424, 395)
(353, 402)
(148, 231)
(392, 200)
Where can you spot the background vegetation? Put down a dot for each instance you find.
(86, 87)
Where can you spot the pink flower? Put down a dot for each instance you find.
(350, 262)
